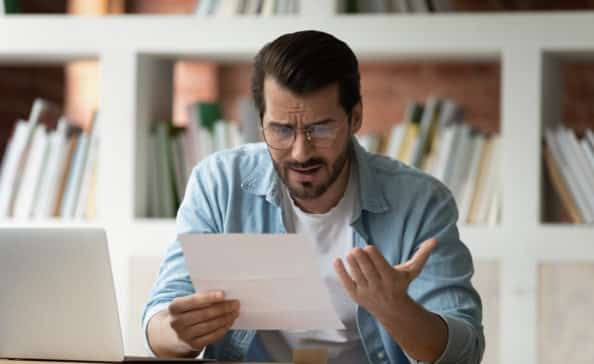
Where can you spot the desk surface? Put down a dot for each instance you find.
(7, 361)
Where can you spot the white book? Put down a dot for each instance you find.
(268, 7)
(203, 7)
(252, 7)
(228, 8)
(495, 208)
(462, 166)
(189, 163)
(235, 135)
(396, 137)
(491, 181)
(293, 7)
(58, 148)
(250, 120)
(26, 198)
(87, 179)
(560, 160)
(469, 184)
(401, 6)
(220, 135)
(448, 143)
(419, 6)
(10, 166)
(586, 171)
(74, 176)
(457, 159)
(178, 166)
(369, 142)
(588, 151)
(2, 10)
(282, 7)
(590, 136)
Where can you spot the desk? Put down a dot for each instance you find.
(7, 361)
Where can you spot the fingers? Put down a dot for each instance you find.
(344, 276)
(383, 267)
(185, 320)
(415, 265)
(207, 327)
(197, 300)
(372, 277)
(202, 341)
(356, 272)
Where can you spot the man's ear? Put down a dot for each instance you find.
(356, 118)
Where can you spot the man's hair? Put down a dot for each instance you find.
(307, 61)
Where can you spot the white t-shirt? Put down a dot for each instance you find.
(332, 235)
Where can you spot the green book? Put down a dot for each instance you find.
(12, 6)
(209, 113)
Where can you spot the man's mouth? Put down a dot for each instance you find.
(307, 170)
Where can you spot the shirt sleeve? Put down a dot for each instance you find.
(194, 215)
(444, 286)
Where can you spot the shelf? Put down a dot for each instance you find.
(372, 37)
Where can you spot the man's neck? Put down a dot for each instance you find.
(331, 197)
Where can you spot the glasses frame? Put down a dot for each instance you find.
(306, 132)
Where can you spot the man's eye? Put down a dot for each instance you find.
(321, 131)
(282, 131)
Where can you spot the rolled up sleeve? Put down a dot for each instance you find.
(444, 286)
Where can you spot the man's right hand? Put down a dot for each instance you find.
(196, 321)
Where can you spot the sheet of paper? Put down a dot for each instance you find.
(274, 276)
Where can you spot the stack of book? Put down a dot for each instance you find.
(173, 152)
(49, 167)
(569, 162)
(433, 137)
(246, 7)
(394, 6)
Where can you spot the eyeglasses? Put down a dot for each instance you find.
(282, 137)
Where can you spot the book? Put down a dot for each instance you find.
(560, 186)
(577, 169)
(491, 182)
(34, 168)
(10, 163)
(395, 140)
(77, 170)
(167, 191)
(560, 159)
(73, 135)
(479, 193)
(249, 120)
(426, 130)
(470, 183)
(56, 158)
(88, 179)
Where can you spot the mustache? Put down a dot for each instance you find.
(309, 163)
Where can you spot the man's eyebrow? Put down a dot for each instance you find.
(284, 123)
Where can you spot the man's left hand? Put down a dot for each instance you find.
(376, 285)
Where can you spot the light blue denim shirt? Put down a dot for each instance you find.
(238, 191)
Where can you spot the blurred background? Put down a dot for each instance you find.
(106, 105)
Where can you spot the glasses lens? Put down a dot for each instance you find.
(279, 136)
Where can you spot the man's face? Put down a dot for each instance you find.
(307, 170)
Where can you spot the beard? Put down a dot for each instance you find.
(306, 190)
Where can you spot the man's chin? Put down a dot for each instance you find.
(305, 191)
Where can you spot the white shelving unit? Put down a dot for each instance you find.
(136, 55)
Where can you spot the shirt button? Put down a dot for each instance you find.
(381, 355)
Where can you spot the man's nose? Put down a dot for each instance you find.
(301, 149)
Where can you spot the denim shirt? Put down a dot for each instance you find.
(238, 191)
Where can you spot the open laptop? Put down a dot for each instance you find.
(57, 297)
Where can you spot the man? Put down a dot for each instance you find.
(404, 293)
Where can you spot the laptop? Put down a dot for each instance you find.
(57, 297)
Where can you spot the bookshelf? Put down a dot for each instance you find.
(136, 52)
